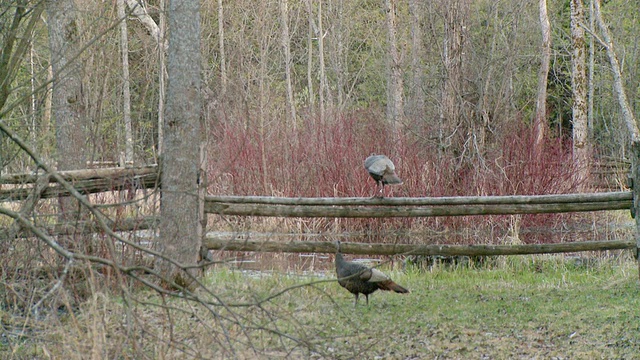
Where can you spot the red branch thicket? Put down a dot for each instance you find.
(326, 160)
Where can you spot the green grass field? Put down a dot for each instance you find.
(519, 307)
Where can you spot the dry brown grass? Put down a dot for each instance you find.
(538, 306)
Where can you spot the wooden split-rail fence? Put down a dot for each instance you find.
(18, 187)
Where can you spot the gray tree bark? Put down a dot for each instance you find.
(416, 101)
(629, 119)
(284, 17)
(262, 97)
(581, 148)
(618, 85)
(157, 31)
(223, 56)
(147, 21)
(312, 30)
(591, 69)
(395, 83)
(540, 121)
(127, 135)
(323, 74)
(455, 34)
(183, 177)
(68, 107)
(162, 74)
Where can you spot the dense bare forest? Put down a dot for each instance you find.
(468, 97)
(287, 98)
(446, 84)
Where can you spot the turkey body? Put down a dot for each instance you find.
(359, 279)
(382, 170)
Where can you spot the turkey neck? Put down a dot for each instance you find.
(339, 259)
(342, 266)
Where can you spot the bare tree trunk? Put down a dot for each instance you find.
(13, 47)
(162, 73)
(417, 99)
(618, 85)
(14, 42)
(540, 121)
(34, 102)
(338, 58)
(46, 116)
(183, 177)
(264, 38)
(139, 11)
(312, 30)
(126, 94)
(284, 17)
(395, 101)
(581, 149)
(68, 109)
(157, 31)
(262, 115)
(323, 74)
(223, 56)
(454, 37)
(592, 66)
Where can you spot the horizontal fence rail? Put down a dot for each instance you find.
(89, 227)
(415, 207)
(21, 186)
(86, 181)
(417, 201)
(83, 174)
(216, 243)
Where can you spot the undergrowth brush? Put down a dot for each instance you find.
(531, 307)
(326, 160)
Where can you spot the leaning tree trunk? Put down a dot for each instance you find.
(629, 119)
(157, 31)
(182, 218)
(618, 85)
(13, 46)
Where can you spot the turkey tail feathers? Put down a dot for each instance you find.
(391, 179)
(391, 286)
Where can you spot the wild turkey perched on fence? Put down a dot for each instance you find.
(359, 279)
(382, 171)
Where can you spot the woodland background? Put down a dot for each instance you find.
(467, 97)
(287, 98)
(447, 89)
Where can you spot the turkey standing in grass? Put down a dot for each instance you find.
(382, 171)
(359, 279)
